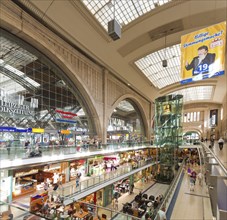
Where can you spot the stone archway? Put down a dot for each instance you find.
(138, 108)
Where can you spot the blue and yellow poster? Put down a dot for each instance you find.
(203, 53)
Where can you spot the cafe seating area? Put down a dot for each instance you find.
(143, 204)
(53, 208)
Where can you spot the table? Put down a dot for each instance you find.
(82, 215)
(64, 216)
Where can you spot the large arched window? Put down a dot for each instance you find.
(125, 123)
(35, 93)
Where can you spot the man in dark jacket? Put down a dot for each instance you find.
(202, 62)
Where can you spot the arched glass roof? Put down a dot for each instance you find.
(125, 11)
(151, 66)
(197, 93)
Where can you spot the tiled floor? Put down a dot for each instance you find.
(192, 205)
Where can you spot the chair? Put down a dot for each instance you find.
(104, 216)
(152, 198)
(135, 212)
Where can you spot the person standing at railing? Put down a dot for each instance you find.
(161, 215)
(8, 146)
(77, 180)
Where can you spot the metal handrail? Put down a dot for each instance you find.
(215, 157)
(102, 179)
(171, 187)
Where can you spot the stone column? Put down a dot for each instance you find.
(104, 129)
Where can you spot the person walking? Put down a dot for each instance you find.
(200, 177)
(211, 142)
(60, 180)
(116, 204)
(221, 143)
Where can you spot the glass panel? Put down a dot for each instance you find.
(196, 93)
(125, 11)
(151, 66)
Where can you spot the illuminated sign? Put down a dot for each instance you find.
(13, 129)
(166, 109)
(203, 53)
(37, 130)
(65, 117)
(65, 132)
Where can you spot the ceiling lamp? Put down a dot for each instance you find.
(114, 28)
(164, 62)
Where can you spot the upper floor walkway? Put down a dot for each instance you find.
(18, 156)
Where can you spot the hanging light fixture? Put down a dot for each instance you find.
(114, 28)
(164, 61)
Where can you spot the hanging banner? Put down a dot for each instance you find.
(213, 117)
(203, 53)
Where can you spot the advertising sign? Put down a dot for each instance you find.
(203, 53)
(213, 117)
(65, 117)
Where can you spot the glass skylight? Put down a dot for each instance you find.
(125, 106)
(10, 86)
(196, 93)
(151, 66)
(125, 10)
(19, 73)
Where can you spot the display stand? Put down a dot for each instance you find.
(37, 201)
(168, 134)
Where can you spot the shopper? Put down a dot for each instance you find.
(211, 142)
(200, 177)
(161, 215)
(221, 143)
(60, 180)
(8, 146)
(77, 181)
(116, 204)
(45, 185)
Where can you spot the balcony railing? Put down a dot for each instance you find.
(21, 152)
(72, 190)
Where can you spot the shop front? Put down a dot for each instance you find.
(95, 166)
(29, 180)
(24, 182)
(77, 167)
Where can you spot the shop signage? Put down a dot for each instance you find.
(37, 130)
(65, 132)
(13, 106)
(34, 171)
(13, 129)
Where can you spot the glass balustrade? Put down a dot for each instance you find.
(21, 152)
(71, 188)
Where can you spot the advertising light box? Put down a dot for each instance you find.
(203, 53)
